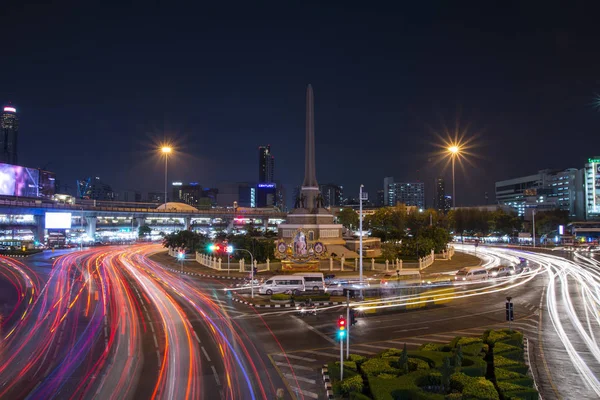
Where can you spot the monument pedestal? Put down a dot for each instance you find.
(301, 266)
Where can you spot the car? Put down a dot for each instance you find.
(471, 274)
(501, 271)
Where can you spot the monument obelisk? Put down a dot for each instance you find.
(310, 218)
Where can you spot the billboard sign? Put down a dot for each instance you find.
(596, 187)
(58, 220)
(19, 181)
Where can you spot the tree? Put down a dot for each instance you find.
(348, 217)
(185, 239)
(388, 223)
(458, 356)
(403, 361)
(144, 231)
(391, 250)
(548, 221)
(446, 371)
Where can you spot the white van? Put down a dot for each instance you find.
(471, 274)
(313, 280)
(281, 284)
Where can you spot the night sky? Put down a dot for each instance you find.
(98, 87)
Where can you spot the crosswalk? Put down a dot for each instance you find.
(302, 368)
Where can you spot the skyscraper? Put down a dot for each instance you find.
(439, 201)
(407, 193)
(333, 194)
(266, 165)
(9, 131)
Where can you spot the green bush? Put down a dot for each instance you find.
(358, 396)
(348, 365)
(401, 388)
(465, 341)
(334, 371)
(510, 364)
(386, 376)
(516, 355)
(318, 297)
(352, 384)
(473, 388)
(434, 358)
(391, 353)
(376, 366)
(511, 390)
(504, 374)
(454, 341)
(417, 364)
(429, 347)
(281, 296)
(453, 396)
(473, 349)
(474, 366)
(358, 359)
(492, 337)
(434, 378)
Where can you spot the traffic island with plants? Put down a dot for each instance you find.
(479, 368)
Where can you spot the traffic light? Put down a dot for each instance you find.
(352, 317)
(341, 328)
(509, 312)
(214, 248)
(229, 249)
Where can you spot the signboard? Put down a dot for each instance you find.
(57, 220)
(19, 181)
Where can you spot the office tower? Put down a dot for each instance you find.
(266, 165)
(9, 132)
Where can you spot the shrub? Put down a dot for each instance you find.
(473, 388)
(465, 341)
(401, 388)
(453, 396)
(434, 378)
(509, 364)
(358, 359)
(511, 390)
(473, 349)
(281, 296)
(417, 364)
(376, 366)
(358, 396)
(348, 365)
(504, 374)
(454, 341)
(334, 371)
(353, 384)
(474, 366)
(318, 297)
(391, 353)
(516, 354)
(429, 347)
(386, 376)
(434, 358)
(495, 336)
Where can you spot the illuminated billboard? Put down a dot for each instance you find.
(57, 220)
(19, 181)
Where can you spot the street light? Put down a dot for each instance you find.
(166, 150)
(251, 267)
(454, 151)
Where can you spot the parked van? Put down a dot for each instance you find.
(313, 280)
(281, 284)
(471, 274)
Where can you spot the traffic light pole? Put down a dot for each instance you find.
(348, 323)
(251, 272)
(341, 359)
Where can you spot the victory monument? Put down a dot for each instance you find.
(309, 227)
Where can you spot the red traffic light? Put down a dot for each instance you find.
(217, 247)
(341, 322)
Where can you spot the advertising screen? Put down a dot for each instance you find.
(18, 181)
(55, 220)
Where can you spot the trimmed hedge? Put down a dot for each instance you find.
(376, 366)
(415, 364)
(474, 366)
(334, 371)
(348, 365)
(504, 374)
(510, 365)
(511, 390)
(434, 358)
(358, 396)
(465, 341)
(401, 388)
(352, 384)
(391, 353)
(316, 297)
(473, 388)
(358, 359)
(281, 296)
(474, 349)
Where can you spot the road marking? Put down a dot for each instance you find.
(155, 341)
(319, 353)
(299, 378)
(402, 343)
(205, 354)
(305, 392)
(413, 329)
(370, 353)
(197, 338)
(158, 355)
(215, 374)
(442, 336)
(293, 366)
(428, 339)
(330, 340)
(373, 346)
(295, 357)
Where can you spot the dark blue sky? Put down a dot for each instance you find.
(98, 86)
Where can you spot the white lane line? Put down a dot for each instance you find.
(155, 341)
(427, 339)
(158, 355)
(442, 336)
(295, 357)
(299, 378)
(320, 353)
(215, 374)
(197, 338)
(330, 340)
(401, 343)
(305, 392)
(412, 329)
(373, 346)
(205, 354)
(294, 366)
(370, 353)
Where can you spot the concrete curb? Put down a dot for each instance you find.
(327, 381)
(528, 363)
(323, 303)
(205, 275)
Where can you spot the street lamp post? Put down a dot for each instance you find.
(166, 150)
(360, 222)
(251, 271)
(454, 150)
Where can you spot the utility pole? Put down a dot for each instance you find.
(349, 322)
(360, 221)
(533, 215)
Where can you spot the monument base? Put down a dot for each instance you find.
(300, 266)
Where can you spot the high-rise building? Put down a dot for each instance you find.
(332, 194)
(188, 194)
(130, 196)
(388, 196)
(439, 201)
(94, 189)
(407, 193)
(9, 134)
(266, 165)
(156, 197)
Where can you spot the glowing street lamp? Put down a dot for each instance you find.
(454, 151)
(166, 150)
